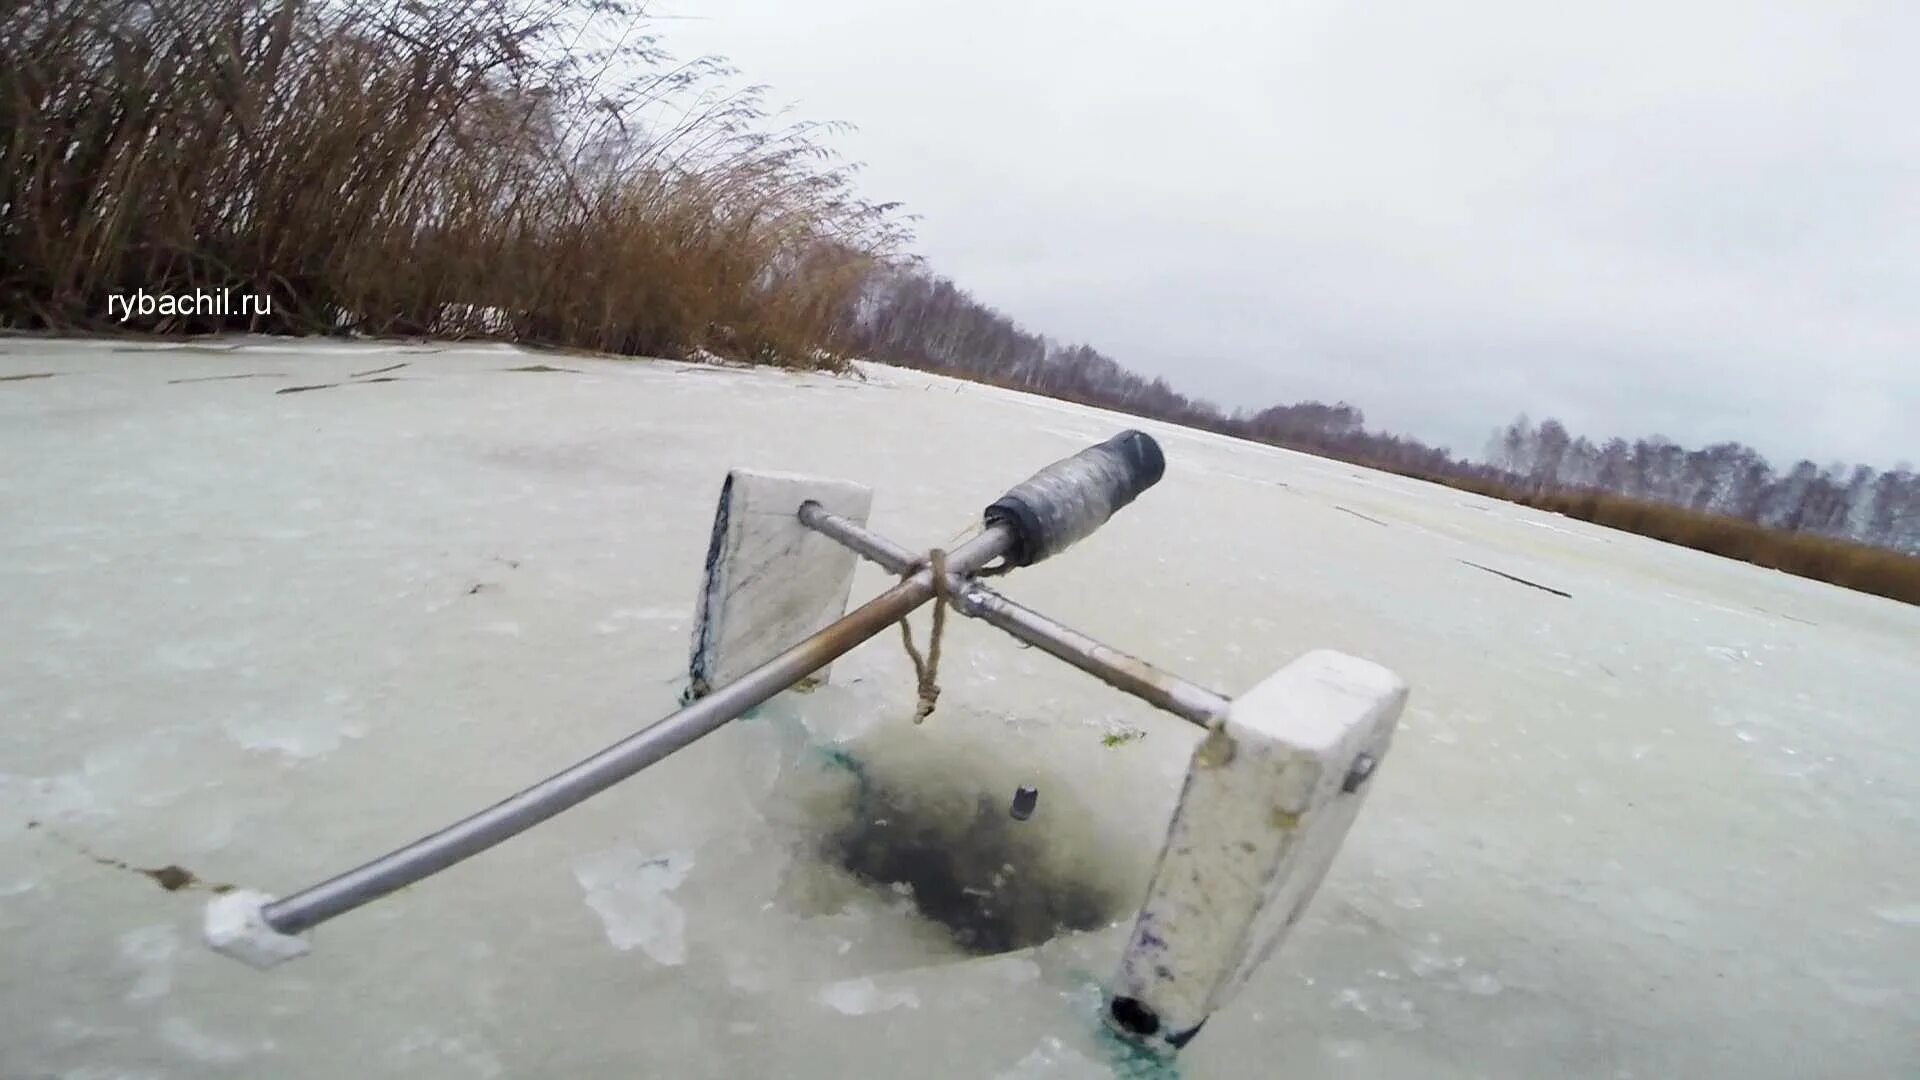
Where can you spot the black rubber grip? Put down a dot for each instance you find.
(1066, 501)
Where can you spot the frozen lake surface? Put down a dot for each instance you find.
(1664, 826)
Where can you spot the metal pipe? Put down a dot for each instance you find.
(577, 783)
(1123, 671)
(859, 539)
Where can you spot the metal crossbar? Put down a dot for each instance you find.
(971, 597)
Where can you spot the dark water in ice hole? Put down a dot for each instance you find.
(993, 883)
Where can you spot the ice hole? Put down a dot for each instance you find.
(921, 822)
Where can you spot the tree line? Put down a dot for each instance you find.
(1728, 479)
(908, 316)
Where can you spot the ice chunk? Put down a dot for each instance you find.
(1054, 1059)
(295, 737)
(858, 997)
(628, 889)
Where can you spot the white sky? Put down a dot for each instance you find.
(1694, 217)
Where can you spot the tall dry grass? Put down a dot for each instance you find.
(537, 168)
(1840, 562)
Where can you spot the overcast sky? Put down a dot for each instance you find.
(1691, 217)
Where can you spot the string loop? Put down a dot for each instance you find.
(926, 670)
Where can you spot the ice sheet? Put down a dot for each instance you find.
(1665, 826)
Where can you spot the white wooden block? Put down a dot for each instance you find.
(770, 581)
(1259, 821)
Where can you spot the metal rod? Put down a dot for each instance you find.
(577, 783)
(1123, 671)
(859, 539)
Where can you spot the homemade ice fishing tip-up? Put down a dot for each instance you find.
(1269, 794)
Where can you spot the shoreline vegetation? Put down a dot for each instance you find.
(547, 174)
(543, 171)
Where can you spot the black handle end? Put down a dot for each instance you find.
(1145, 462)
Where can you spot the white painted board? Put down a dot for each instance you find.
(769, 581)
(1261, 816)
